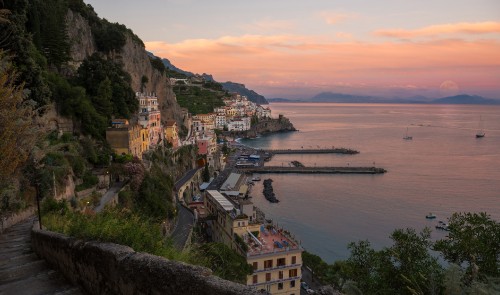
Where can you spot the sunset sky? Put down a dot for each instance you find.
(296, 49)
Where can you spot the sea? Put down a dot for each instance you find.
(442, 170)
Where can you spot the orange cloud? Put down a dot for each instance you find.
(443, 29)
(288, 62)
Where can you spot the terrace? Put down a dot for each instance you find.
(270, 240)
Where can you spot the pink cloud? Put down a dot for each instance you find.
(288, 62)
(443, 29)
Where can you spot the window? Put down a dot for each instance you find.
(255, 265)
(255, 279)
(280, 286)
(292, 284)
(292, 273)
(280, 262)
(268, 263)
(294, 259)
(268, 277)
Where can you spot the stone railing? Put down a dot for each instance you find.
(9, 220)
(106, 268)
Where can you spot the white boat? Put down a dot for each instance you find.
(480, 133)
(407, 137)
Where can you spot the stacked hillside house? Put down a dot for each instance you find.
(273, 252)
(137, 136)
(171, 134)
(126, 138)
(150, 117)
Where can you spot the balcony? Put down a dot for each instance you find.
(297, 265)
(276, 281)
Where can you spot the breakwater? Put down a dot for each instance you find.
(313, 151)
(269, 192)
(318, 170)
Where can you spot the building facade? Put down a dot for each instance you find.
(276, 257)
(149, 117)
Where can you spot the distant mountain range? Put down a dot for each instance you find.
(347, 98)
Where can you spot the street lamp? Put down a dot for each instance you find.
(37, 196)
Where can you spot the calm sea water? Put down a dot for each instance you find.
(444, 169)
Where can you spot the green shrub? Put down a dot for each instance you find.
(89, 180)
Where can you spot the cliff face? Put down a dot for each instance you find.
(135, 61)
(282, 124)
(82, 42)
(242, 90)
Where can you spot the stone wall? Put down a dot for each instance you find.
(106, 268)
(10, 220)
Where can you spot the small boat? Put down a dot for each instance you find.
(407, 137)
(430, 216)
(443, 226)
(480, 133)
(256, 178)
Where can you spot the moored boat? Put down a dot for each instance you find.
(430, 216)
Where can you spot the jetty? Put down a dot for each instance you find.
(315, 170)
(313, 151)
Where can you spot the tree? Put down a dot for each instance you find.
(474, 243)
(102, 102)
(224, 261)
(17, 128)
(419, 272)
(206, 173)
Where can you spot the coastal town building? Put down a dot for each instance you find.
(171, 134)
(125, 138)
(239, 124)
(220, 121)
(276, 257)
(150, 117)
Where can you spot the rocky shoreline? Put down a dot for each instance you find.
(264, 126)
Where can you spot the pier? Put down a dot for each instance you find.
(313, 151)
(315, 170)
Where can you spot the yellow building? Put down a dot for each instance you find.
(144, 139)
(275, 256)
(125, 138)
(171, 133)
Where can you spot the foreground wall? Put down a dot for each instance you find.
(106, 268)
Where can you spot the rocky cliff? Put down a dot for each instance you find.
(135, 61)
(265, 126)
(242, 90)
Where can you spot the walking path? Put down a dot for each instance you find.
(22, 272)
(117, 186)
(183, 227)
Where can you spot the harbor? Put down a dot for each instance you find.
(332, 150)
(314, 170)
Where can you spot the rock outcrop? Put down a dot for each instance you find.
(82, 42)
(269, 191)
(134, 58)
(265, 126)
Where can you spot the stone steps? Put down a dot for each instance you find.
(23, 272)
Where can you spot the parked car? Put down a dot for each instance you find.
(306, 288)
